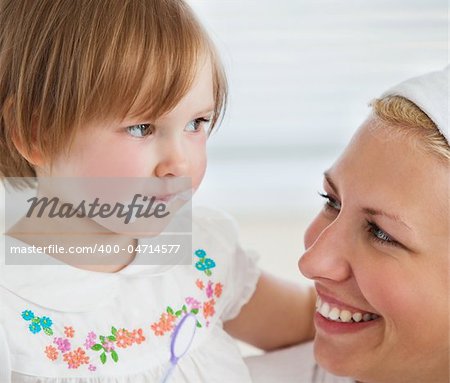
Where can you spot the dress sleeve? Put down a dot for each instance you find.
(5, 362)
(243, 277)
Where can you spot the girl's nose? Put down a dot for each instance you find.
(173, 159)
(327, 256)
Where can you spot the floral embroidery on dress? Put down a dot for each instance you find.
(166, 322)
(77, 356)
(121, 338)
(204, 264)
(90, 340)
(63, 344)
(109, 345)
(51, 353)
(168, 319)
(37, 323)
(200, 284)
(69, 332)
(106, 345)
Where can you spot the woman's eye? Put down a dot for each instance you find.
(331, 203)
(140, 130)
(379, 235)
(197, 124)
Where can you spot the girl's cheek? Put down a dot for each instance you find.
(118, 161)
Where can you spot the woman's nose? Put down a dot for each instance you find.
(173, 159)
(326, 256)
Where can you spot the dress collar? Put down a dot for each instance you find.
(65, 288)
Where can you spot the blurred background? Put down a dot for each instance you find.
(301, 75)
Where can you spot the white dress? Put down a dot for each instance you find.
(63, 324)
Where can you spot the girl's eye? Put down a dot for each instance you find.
(197, 124)
(379, 235)
(140, 130)
(331, 203)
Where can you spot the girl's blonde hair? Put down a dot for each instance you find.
(409, 119)
(66, 63)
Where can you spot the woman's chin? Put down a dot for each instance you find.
(331, 360)
(338, 360)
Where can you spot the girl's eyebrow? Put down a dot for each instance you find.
(208, 110)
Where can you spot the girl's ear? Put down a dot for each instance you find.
(33, 155)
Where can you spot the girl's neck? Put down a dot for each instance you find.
(95, 249)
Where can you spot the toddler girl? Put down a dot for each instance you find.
(109, 89)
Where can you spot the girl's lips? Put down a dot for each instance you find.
(164, 198)
(183, 195)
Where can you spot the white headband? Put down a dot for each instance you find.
(430, 93)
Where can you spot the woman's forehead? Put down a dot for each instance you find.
(389, 172)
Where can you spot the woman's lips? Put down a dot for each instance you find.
(334, 310)
(335, 316)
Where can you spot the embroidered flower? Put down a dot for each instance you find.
(137, 336)
(51, 352)
(166, 323)
(92, 367)
(209, 290)
(200, 253)
(76, 358)
(156, 328)
(193, 303)
(27, 315)
(108, 346)
(204, 264)
(63, 344)
(208, 308)
(200, 284)
(123, 339)
(90, 340)
(218, 288)
(34, 327)
(69, 332)
(38, 324)
(46, 322)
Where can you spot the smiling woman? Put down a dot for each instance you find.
(378, 251)
(381, 237)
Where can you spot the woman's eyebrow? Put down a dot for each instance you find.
(396, 218)
(367, 210)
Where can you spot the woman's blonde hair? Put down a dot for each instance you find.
(409, 119)
(65, 63)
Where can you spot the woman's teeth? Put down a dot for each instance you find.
(336, 315)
